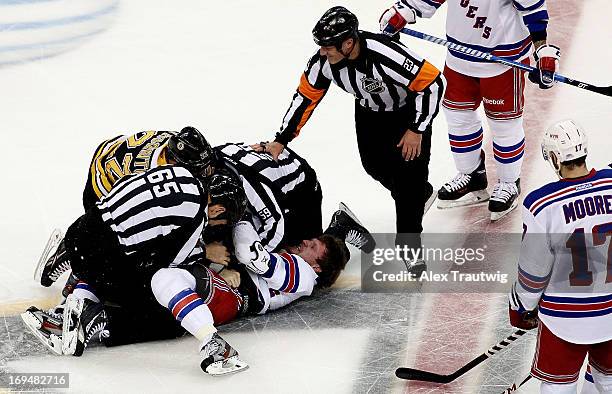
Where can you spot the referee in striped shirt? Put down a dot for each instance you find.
(397, 96)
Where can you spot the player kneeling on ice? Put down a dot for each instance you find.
(564, 268)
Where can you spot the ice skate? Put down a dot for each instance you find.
(83, 321)
(415, 267)
(54, 260)
(430, 199)
(345, 225)
(504, 198)
(46, 326)
(219, 358)
(465, 189)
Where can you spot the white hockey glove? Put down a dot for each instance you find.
(395, 18)
(547, 61)
(248, 248)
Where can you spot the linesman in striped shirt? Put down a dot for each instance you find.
(397, 96)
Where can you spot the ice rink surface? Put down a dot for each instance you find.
(230, 68)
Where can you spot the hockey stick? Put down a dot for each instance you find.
(605, 90)
(424, 376)
(514, 387)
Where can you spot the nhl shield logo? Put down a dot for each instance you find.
(372, 85)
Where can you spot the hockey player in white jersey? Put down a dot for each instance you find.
(507, 29)
(565, 267)
(274, 280)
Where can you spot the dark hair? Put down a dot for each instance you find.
(572, 164)
(333, 261)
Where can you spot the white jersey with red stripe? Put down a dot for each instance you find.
(286, 277)
(502, 27)
(565, 266)
(289, 278)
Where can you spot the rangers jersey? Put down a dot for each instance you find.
(125, 155)
(565, 266)
(504, 28)
(287, 278)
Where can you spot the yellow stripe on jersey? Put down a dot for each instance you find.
(100, 178)
(139, 138)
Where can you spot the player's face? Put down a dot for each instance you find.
(332, 53)
(310, 250)
(214, 211)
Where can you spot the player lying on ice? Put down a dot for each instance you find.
(124, 335)
(565, 269)
(197, 297)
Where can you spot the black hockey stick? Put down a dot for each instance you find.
(514, 387)
(424, 376)
(605, 90)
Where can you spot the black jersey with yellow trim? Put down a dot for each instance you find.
(124, 155)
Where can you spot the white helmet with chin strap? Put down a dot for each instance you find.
(564, 141)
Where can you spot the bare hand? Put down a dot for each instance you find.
(231, 277)
(217, 253)
(273, 148)
(410, 144)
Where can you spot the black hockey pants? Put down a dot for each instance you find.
(378, 134)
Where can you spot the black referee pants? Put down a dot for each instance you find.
(378, 134)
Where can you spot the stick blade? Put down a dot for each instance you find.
(423, 376)
(605, 90)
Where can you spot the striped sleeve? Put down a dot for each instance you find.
(535, 17)
(270, 222)
(416, 74)
(423, 8)
(289, 277)
(314, 83)
(535, 264)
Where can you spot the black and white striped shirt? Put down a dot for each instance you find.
(161, 211)
(386, 76)
(268, 184)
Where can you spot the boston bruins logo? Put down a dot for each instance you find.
(372, 85)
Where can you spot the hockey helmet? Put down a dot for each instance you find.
(564, 141)
(335, 26)
(226, 189)
(190, 149)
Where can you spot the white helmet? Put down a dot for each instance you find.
(565, 141)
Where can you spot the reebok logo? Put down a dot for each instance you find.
(493, 101)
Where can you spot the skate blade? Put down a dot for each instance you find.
(54, 240)
(72, 312)
(227, 367)
(343, 207)
(495, 216)
(430, 202)
(472, 198)
(53, 342)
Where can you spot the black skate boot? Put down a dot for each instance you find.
(465, 189)
(55, 265)
(83, 321)
(46, 326)
(219, 358)
(504, 198)
(345, 225)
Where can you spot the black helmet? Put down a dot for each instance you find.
(226, 189)
(189, 148)
(335, 26)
